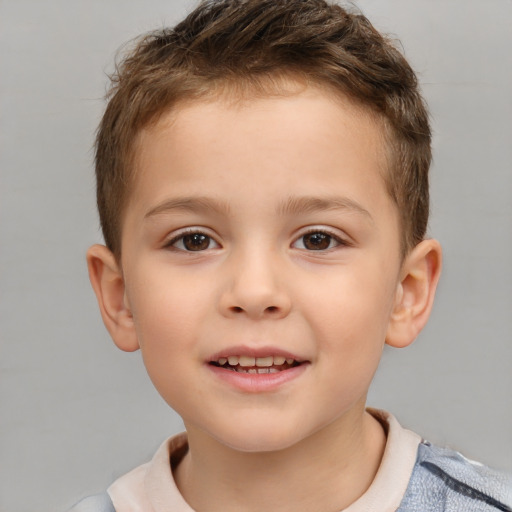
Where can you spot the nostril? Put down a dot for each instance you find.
(269, 309)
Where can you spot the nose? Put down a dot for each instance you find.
(255, 288)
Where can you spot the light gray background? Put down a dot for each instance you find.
(76, 412)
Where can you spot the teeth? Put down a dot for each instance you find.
(264, 361)
(240, 369)
(246, 361)
(260, 362)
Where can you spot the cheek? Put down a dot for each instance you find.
(350, 322)
(168, 323)
(167, 312)
(354, 304)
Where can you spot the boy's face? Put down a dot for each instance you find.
(262, 229)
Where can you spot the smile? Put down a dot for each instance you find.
(255, 365)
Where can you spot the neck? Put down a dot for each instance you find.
(327, 471)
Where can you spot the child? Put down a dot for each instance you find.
(262, 180)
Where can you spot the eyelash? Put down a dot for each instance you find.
(171, 244)
(331, 237)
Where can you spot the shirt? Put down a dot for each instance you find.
(414, 476)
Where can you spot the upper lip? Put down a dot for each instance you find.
(263, 351)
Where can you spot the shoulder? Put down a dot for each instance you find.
(445, 481)
(97, 503)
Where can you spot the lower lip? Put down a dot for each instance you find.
(258, 382)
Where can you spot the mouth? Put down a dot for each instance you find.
(255, 365)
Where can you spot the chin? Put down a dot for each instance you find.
(259, 440)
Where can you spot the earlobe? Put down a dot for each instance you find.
(415, 293)
(108, 284)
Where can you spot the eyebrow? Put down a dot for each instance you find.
(291, 206)
(307, 204)
(190, 204)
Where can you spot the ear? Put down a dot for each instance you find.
(415, 293)
(108, 283)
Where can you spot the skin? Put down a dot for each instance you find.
(253, 179)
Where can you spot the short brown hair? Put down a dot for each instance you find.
(247, 43)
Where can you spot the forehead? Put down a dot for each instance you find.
(303, 133)
(292, 109)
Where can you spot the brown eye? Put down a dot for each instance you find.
(196, 242)
(317, 241)
(193, 242)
